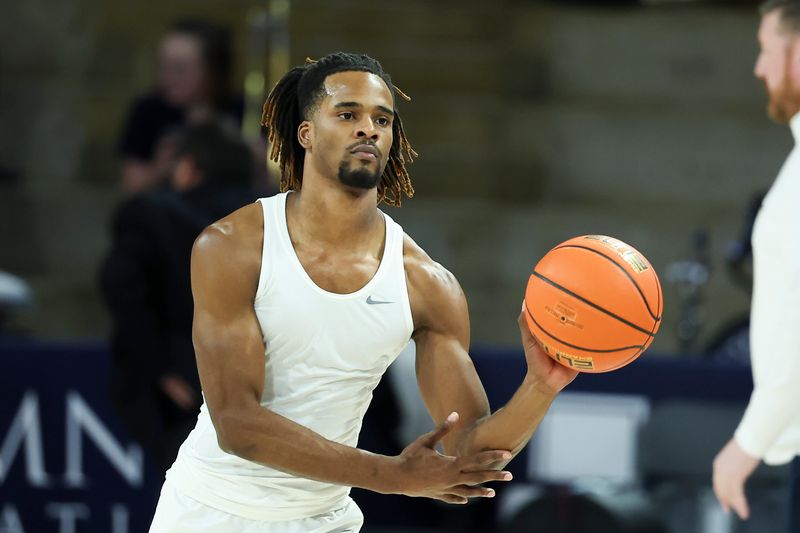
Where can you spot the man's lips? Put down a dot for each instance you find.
(365, 151)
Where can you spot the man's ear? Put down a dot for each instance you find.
(305, 134)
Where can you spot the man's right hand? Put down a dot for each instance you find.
(422, 471)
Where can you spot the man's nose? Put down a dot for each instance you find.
(367, 129)
(757, 68)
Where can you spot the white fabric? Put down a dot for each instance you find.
(178, 513)
(325, 354)
(770, 428)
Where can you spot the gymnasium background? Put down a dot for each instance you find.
(535, 122)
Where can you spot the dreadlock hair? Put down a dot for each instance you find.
(295, 98)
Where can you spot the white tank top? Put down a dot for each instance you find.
(325, 354)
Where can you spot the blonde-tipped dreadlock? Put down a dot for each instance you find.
(293, 99)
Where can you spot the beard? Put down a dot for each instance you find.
(360, 178)
(784, 102)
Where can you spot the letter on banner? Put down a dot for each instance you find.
(27, 427)
(80, 419)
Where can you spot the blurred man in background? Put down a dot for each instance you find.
(194, 85)
(145, 281)
(770, 428)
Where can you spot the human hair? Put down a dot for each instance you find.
(218, 152)
(296, 97)
(788, 11)
(215, 48)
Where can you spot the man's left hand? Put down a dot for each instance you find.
(732, 467)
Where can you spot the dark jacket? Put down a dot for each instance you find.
(145, 281)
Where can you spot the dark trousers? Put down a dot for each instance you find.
(794, 497)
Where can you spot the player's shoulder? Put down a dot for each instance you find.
(427, 276)
(236, 237)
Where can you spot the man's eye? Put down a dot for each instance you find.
(346, 115)
(382, 121)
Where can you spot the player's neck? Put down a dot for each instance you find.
(335, 213)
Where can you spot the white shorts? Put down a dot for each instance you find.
(178, 513)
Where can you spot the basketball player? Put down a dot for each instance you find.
(302, 301)
(770, 428)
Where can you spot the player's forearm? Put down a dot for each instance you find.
(264, 437)
(511, 427)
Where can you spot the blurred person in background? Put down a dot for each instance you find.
(194, 84)
(770, 428)
(145, 282)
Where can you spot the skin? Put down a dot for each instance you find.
(182, 75)
(338, 235)
(186, 175)
(778, 66)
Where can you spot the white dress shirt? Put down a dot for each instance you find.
(770, 428)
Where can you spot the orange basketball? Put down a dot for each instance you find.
(593, 303)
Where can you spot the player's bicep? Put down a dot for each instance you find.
(225, 331)
(230, 356)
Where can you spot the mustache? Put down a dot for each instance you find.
(355, 145)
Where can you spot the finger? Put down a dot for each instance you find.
(522, 321)
(177, 395)
(716, 480)
(184, 397)
(479, 478)
(430, 439)
(721, 494)
(720, 497)
(453, 498)
(730, 494)
(739, 504)
(472, 492)
(528, 340)
(716, 486)
(184, 403)
(479, 461)
(188, 392)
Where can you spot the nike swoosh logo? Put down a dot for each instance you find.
(370, 301)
